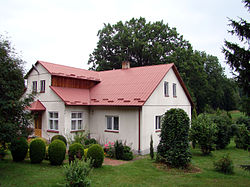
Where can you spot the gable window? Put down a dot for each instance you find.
(34, 86)
(53, 120)
(166, 89)
(174, 90)
(76, 121)
(112, 123)
(158, 122)
(42, 86)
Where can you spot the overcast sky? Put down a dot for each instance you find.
(65, 31)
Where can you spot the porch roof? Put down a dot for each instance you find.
(36, 106)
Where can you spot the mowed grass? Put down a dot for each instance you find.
(236, 114)
(142, 172)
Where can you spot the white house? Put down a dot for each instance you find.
(124, 104)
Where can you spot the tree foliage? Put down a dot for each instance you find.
(238, 56)
(14, 121)
(203, 132)
(144, 43)
(173, 148)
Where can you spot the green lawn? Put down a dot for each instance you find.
(236, 114)
(141, 172)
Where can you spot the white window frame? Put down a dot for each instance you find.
(112, 123)
(78, 120)
(54, 120)
(42, 88)
(34, 86)
(158, 122)
(166, 89)
(174, 90)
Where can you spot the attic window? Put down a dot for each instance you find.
(174, 90)
(34, 86)
(42, 82)
(166, 93)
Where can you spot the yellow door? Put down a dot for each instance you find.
(38, 125)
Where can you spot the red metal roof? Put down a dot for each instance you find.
(36, 106)
(66, 71)
(128, 87)
(72, 96)
(122, 87)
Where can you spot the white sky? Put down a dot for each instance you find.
(65, 31)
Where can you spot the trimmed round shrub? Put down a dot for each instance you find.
(57, 151)
(76, 150)
(89, 142)
(173, 148)
(96, 153)
(60, 137)
(37, 150)
(19, 148)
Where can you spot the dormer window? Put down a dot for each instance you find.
(34, 86)
(42, 86)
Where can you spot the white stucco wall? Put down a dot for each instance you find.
(128, 125)
(67, 119)
(157, 105)
(49, 99)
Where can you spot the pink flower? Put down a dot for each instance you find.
(106, 145)
(109, 142)
(112, 143)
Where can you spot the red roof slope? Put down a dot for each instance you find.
(66, 71)
(36, 106)
(72, 96)
(128, 87)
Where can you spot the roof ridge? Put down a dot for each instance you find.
(40, 61)
(136, 67)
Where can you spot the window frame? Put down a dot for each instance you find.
(42, 86)
(112, 129)
(174, 90)
(158, 119)
(77, 119)
(53, 119)
(34, 86)
(166, 89)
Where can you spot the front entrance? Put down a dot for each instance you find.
(38, 124)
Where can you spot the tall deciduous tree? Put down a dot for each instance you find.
(145, 43)
(14, 121)
(139, 42)
(238, 56)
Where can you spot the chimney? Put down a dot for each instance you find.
(125, 65)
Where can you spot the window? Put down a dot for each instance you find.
(158, 122)
(112, 123)
(34, 86)
(53, 120)
(42, 86)
(174, 90)
(166, 89)
(76, 121)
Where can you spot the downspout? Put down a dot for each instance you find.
(139, 131)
